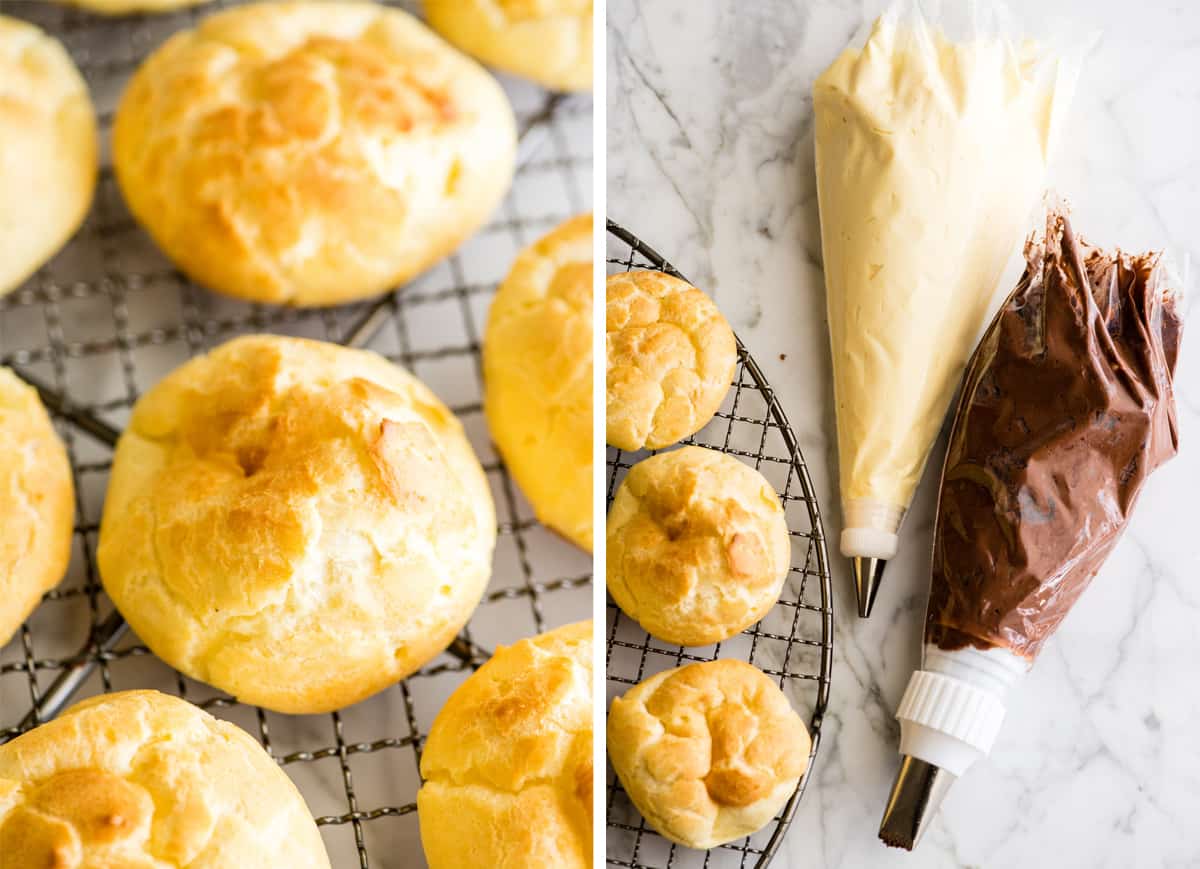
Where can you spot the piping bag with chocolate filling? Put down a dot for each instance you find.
(1067, 407)
(932, 140)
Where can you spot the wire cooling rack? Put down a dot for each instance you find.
(109, 316)
(793, 643)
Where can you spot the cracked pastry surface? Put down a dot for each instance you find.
(294, 522)
(311, 153)
(548, 41)
(698, 546)
(537, 371)
(48, 150)
(37, 504)
(508, 762)
(708, 752)
(141, 780)
(671, 357)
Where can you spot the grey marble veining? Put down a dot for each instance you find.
(710, 161)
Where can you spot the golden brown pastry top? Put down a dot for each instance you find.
(37, 503)
(311, 153)
(141, 779)
(698, 546)
(508, 763)
(708, 752)
(537, 359)
(48, 149)
(521, 10)
(548, 41)
(671, 359)
(295, 522)
(126, 7)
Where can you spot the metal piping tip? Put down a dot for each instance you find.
(916, 795)
(868, 574)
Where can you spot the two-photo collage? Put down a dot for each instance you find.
(555, 434)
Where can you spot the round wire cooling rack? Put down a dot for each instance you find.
(109, 316)
(793, 643)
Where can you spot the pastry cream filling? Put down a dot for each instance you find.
(929, 154)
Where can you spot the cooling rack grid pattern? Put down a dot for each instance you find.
(109, 316)
(793, 643)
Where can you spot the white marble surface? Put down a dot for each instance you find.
(710, 161)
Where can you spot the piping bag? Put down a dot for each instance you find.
(932, 140)
(1067, 407)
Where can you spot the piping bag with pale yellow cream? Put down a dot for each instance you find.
(932, 140)
(1067, 407)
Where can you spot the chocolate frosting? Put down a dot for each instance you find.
(1066, 408)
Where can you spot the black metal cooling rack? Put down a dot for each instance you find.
(109, 316)
(793, 643)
